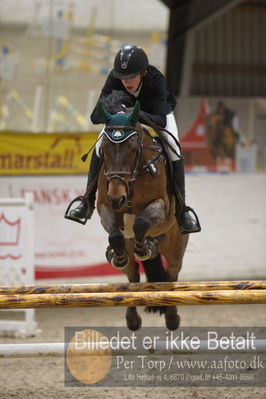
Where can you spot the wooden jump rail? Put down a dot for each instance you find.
(149, 298)
(131, 294)
(133, 287)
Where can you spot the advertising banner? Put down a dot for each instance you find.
(44, 154)
(63, 248)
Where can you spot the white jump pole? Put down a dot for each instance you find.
(59, 349)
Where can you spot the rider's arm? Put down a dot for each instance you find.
(154, 105)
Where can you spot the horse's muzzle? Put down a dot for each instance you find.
(117, 203)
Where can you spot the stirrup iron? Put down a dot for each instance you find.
(189, 209)
(83, 221)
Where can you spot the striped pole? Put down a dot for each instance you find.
(149, 298)
(134, 287)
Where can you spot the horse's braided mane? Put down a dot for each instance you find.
(114, 101)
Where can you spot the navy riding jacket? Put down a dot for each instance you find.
(156, 100)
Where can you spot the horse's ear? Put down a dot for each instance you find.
(104, 114)
(134, 116)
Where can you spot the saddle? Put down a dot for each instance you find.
(172, 187)
(168, 162)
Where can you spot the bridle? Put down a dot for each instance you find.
(136, 171)
(122, 174)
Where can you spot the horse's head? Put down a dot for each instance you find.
(121, 152)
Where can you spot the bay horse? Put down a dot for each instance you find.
(136, 207)
(220, 137)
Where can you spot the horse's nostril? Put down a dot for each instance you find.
(122, 200)
(116, 203)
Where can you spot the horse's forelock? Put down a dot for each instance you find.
(114, 102)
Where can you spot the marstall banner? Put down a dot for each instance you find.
(44, 153)
(63, 248)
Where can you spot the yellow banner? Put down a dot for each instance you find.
(44, 153)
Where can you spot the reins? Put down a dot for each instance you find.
(149, 166)
(159, 130)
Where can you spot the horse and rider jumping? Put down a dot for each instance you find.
(140, 178)
(143, 82)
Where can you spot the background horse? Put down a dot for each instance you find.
(220, 138)
(135, 206)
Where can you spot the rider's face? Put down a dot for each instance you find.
(131, 85)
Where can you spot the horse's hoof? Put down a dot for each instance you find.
(120, 262)
(119, 265)
(134, 325)
(149, 250)
(173, 323)
(143, 257)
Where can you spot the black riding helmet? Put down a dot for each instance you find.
(129, 62)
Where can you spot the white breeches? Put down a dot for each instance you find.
(170, 126)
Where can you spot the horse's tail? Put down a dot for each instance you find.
(155, 272)
(154, 269)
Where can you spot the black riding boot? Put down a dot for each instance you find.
(87, 206)
(186, 222)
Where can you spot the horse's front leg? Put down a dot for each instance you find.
(153, 214)
(116, 253)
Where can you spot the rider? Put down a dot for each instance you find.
(133, 74)
(228, 116)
